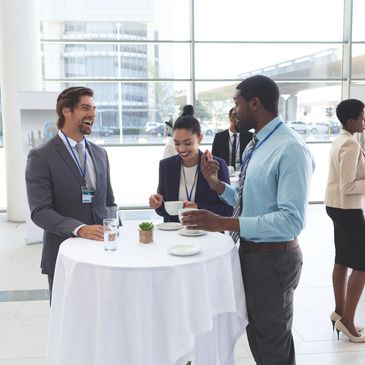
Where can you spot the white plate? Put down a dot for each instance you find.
(169, 226)
(183, 250)
(192, 232)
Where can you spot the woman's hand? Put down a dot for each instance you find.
(156, 201)
(188, 204)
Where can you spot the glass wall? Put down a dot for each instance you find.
(145, 59)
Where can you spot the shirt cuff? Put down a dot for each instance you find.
(74, 232)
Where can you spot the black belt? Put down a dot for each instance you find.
(249, 246)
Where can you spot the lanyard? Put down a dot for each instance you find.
(248, 156)
(83, 172)
(189, 195)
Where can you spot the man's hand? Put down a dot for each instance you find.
(203, 219)
(93, 232)
(156, 201)
(209, 169)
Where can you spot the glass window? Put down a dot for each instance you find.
(279, 61)
(117, 19)
(358, 61)
(307, 107)
(141, 103)
(358, 24)
(264, 20)
(116, 60)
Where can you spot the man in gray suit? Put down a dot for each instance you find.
(68, 180)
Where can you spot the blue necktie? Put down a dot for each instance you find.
(239, 203)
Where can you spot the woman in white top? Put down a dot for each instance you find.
(345, 199)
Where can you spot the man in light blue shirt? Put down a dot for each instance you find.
(271, 211)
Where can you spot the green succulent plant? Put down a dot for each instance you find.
(146, 226)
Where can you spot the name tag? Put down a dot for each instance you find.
(86, 195)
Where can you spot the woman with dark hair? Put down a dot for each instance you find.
(345, 199)
(169, 149)
(180, 177)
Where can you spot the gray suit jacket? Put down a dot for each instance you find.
(54, 194)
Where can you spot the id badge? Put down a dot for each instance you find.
(87, 195)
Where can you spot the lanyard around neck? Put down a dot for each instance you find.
(248, 156)
(189, 195)
(82, 171)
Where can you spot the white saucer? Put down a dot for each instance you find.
(169, 226)
(183, 250)
(192, 232)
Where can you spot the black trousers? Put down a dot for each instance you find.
(270, 278)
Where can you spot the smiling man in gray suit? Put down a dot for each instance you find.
(68, 180)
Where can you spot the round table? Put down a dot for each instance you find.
(140, 305)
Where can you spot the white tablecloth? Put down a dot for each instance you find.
(141, 306)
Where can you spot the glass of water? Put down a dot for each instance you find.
(110, 226)
(113, 212)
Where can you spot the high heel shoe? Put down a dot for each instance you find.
(335, 317)
(341, 328)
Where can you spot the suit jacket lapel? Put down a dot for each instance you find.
(65, 154)
(226, 146)
(175, 176)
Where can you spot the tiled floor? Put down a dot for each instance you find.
(23, 325)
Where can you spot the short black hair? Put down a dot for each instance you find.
(262, 87)
(232, 111)
(188, 122)
(349, 109)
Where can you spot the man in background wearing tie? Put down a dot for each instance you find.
(68, 180)
(230, 143)
(269, 213)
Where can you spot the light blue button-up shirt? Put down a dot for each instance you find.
(275, 192)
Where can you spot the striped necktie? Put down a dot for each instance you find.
(239, 203)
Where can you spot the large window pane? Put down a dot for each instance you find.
(140, 103)
(358, 24)
(279, 61)
(263, 20)
(308, 107)
(1, 120)
(358, 61)
(116, 19)
(116, 60)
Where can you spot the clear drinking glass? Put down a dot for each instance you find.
(113, 212)
(110, 226)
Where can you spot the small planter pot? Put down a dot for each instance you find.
(146, 236)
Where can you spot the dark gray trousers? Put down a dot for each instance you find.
(270, 278)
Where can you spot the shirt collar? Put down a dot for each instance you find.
(345, 132)
(73, 143)
(231, 133)
(268, 128)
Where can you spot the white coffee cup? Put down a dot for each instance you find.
(172, 207)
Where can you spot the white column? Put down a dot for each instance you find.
(21, 71)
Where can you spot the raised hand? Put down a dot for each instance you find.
(209, 169)
(155, 201)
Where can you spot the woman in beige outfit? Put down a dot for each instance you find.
(345, 198)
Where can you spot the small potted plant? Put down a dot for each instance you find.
(146, 232)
